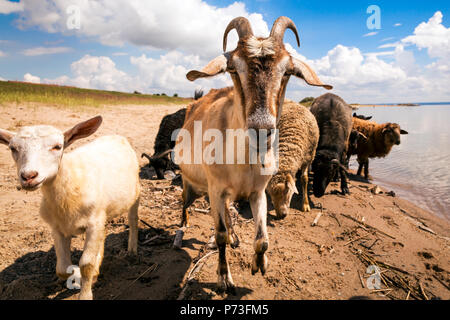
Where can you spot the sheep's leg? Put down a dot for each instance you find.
(92, 256)
(133, 223)
(63, 258)
(360, 166)
(304, 180)
(366, 169)
(344, 186)
(218, 204)
(258, 204)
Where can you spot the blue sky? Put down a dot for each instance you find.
(113, 50)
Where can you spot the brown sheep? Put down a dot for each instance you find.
(380, 140)
(298, 138)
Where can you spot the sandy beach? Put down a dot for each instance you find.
(329, 260)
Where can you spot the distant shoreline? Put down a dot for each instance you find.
(357, 105)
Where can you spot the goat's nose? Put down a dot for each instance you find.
(29, 176)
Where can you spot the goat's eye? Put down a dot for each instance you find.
(13, 150)
(57, 147)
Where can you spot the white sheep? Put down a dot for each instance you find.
(81, 189)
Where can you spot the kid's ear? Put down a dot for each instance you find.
(403, 131)
(5, 136)
(82, 130)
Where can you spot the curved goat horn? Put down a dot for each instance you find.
(242, 26)
(279, 28)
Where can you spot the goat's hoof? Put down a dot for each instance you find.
(234, 241)
(306, 208)
(225, 284)
(86, 295)
(259, 263)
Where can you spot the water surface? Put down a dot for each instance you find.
(419, 168)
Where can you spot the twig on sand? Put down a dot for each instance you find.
(195, 269)
(423, 291)
(333, 215)
(316, 220)
(201, 210)
(289, 280)
(366, 225)
(151, 269)
(361, 279)
(407, 295)
(146, 224)
(356, 239)
(442, 282)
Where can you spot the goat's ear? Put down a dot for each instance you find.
(403, 131)
(214, 67)
(5, 136)
(82, 130)
(302, 70)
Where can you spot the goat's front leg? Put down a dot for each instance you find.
(92, 255)
(62, 250)
(218, 202)
(258, 204)
(133, 223)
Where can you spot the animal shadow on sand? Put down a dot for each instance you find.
(155, 273)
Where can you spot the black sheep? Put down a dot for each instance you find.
(164, 144)
(334, 117)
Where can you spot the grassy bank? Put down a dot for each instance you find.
(21, 92)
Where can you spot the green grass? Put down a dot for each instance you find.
(21, 92)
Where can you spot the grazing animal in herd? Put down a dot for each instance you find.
(81, 189)
(380, 140)
(355, 138)
(360, 116)
(334, 118)
(298, 138)
(164, 143)
(260, 69)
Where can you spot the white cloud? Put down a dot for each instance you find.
(370, 34)
(120, 54)
(192, 26)
(397, 25)
(96, 73)
(7, 7)
(38, 51)
(2, 54)
(30, 78)
(433, 36)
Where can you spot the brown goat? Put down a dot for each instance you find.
(260, 69)
(380, 140)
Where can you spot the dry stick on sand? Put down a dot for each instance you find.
(366, 225)
(316, 220)
(361, 279)
(195, 269)
(333, 215)
(151, 268)
(441, 282)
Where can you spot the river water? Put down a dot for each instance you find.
(419, 168)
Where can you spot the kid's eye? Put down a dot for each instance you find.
(14, 150)
(57, 147)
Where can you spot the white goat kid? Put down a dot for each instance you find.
(81, 189)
